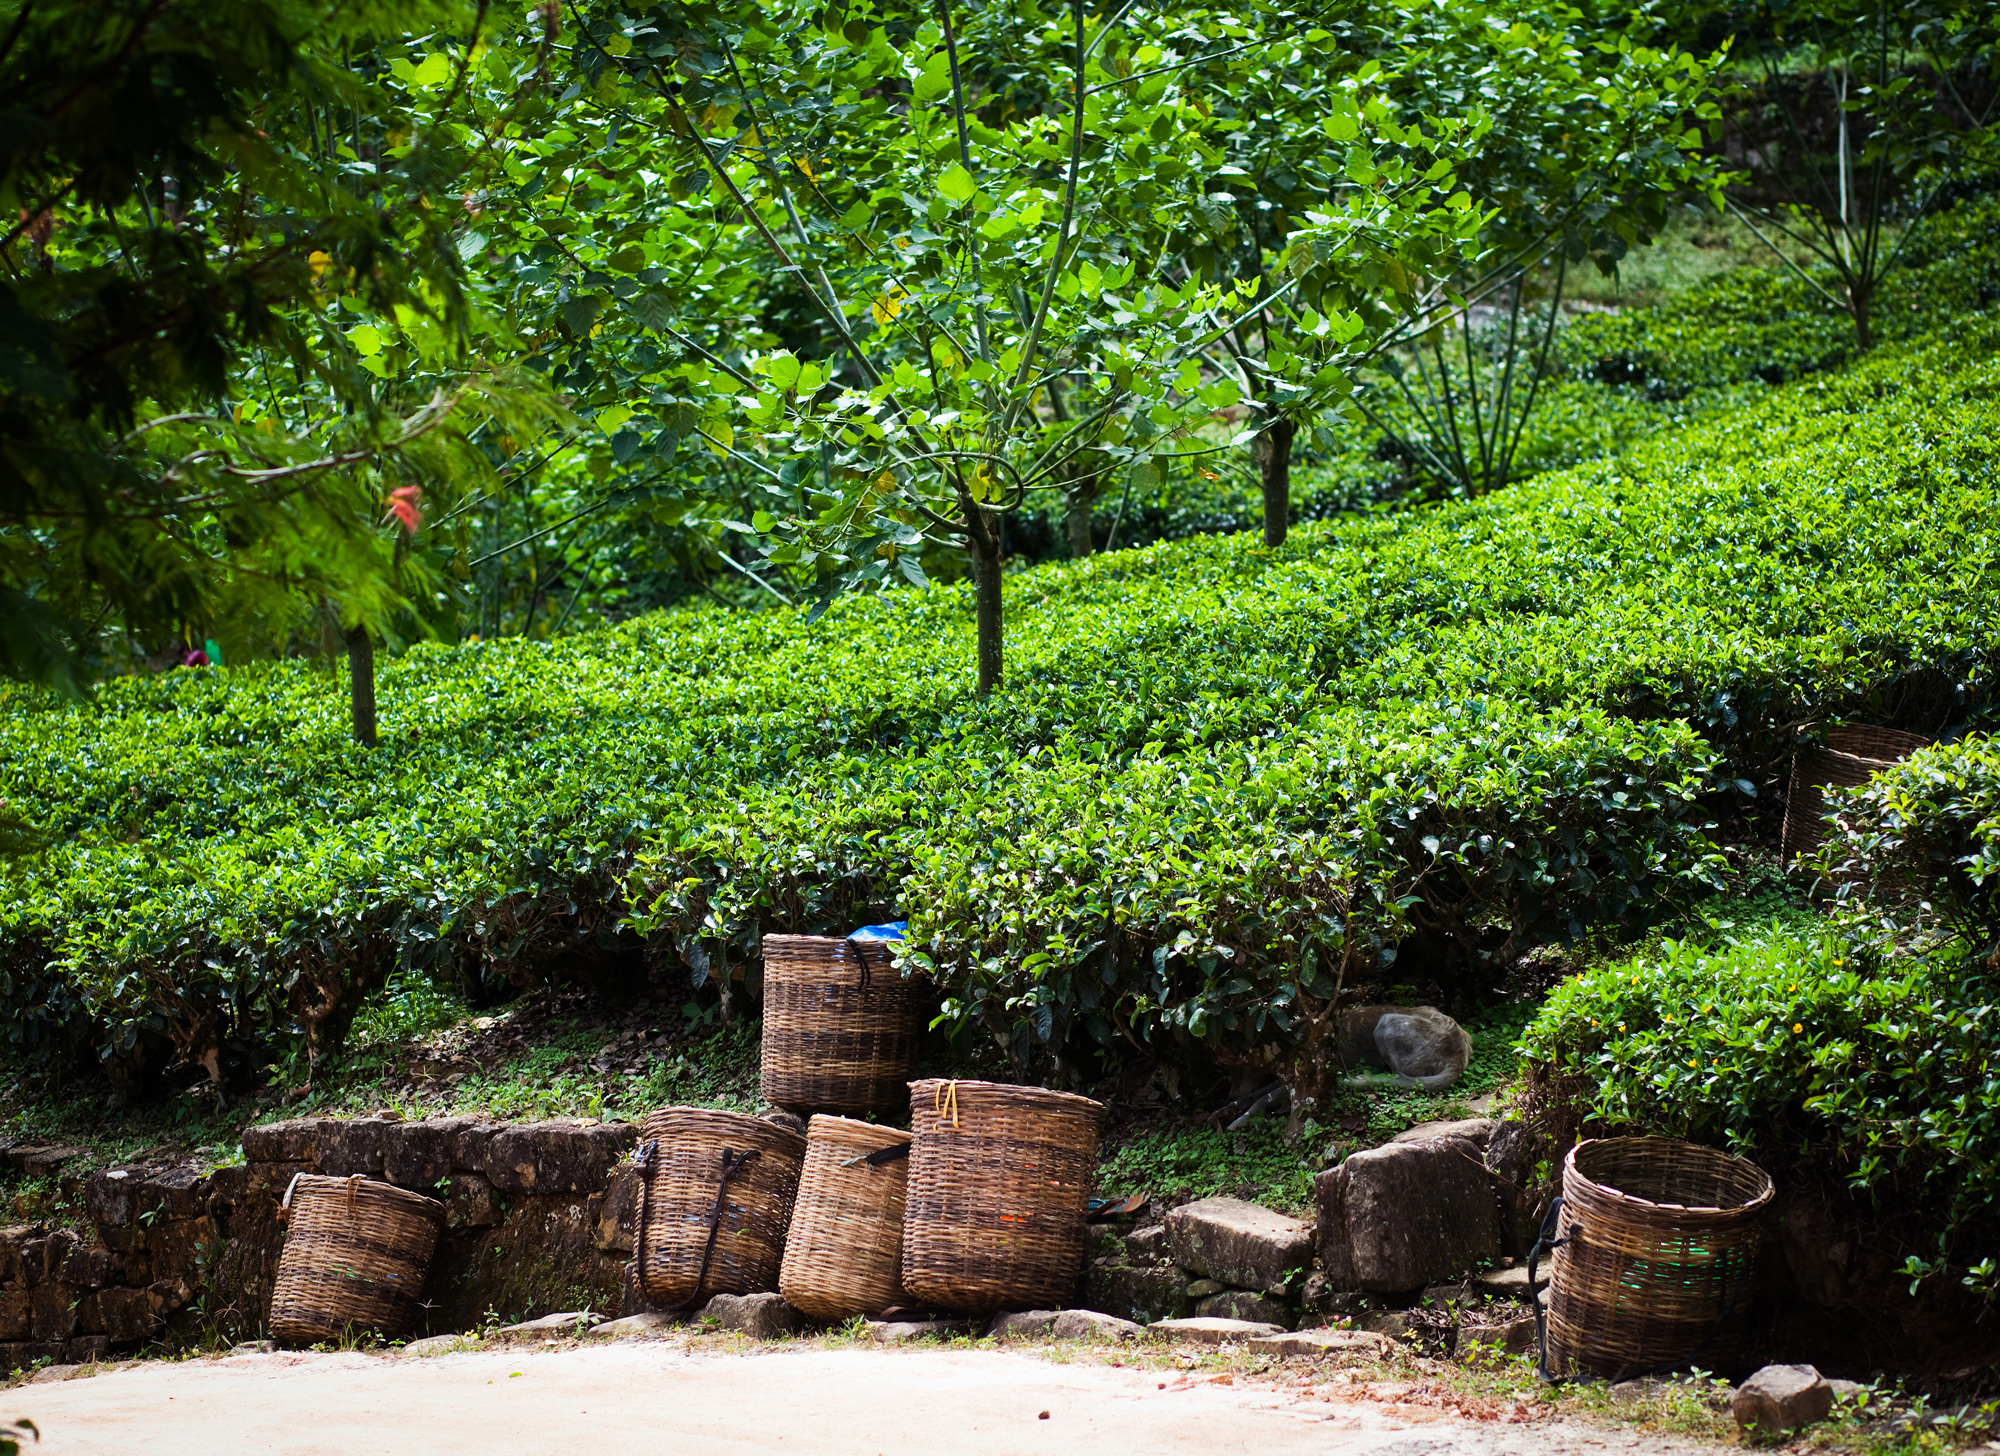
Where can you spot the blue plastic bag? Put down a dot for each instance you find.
(892, 931)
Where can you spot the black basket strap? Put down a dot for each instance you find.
(733, 1163)
(1543, 1240)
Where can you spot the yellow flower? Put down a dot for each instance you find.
(1797, 1027)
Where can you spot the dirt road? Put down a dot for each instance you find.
(657, 1396)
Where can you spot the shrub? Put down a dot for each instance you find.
(1222, 776)
(1925, 835)
(1817, 1057)
(1768, 325)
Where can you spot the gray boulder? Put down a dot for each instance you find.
(1142, 1292)
(1413, 1046)
(1242, 1244)
(554, 1326)
(1398, 1217)
(761, 1316)
(1782, 1398)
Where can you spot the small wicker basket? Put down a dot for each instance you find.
(840, 1026)
(355, 1256)
(844, 1255)
(715, 1199)
(999, 1191)
(1655, 1246)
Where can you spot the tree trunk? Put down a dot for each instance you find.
(361, 683)
(1272, 451)
(1076, 518)
(983, 540)
(1858, 302)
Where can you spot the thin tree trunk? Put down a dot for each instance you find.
(1858, 301)
(1273, 452)
(361, 683)
(983, 540)
(1076, 515)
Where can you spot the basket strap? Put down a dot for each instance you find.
(944, 1101)
(732, 1163)
(881, 1157)
(642, 1159)
(861, 958)
(1543, 1241)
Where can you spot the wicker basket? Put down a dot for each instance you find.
(715, 1200)
(356, 1253)
(844, 1255)
(840, 1026)
(999, 1188)
(1853, 755)
(1653, 1257)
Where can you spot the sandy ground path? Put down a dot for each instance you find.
(655, 1396)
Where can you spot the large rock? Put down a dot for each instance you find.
(1063, 1324)
(346, 1146)
(1411, 1045)
(649, 1322)
(1242, 1304)
(761, 1316)
(17, 1312)
(1138, 1292)
(1395, 1218)
(420, 1155)
(1513, 1335)
(470, 1202)
(1201, 1331)
(127, 1315)
(294, 1141)
(555, 1157)
(1476, 1130)
(1782, 1398)
(614, 1213)
(468, 1153)
(1241, 1244)
(52, 1312)
(904, 1332)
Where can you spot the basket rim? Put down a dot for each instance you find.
(722, 1117)
(1010, 1092)
(832, 1128)
(820, 940)
(1766, 1189)
(372, 1185)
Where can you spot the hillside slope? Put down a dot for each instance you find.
(1221, 778)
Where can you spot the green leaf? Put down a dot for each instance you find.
(956, 184)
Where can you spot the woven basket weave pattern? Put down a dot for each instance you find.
(355, 1256)
(680, 1196)
(1853, 755)
(840, 1026)
(844, 1255)
(999, 1188)
(1661, 1239)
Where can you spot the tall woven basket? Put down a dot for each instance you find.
(844, 1255)
(999, 1189)
(1655, 1241)
(840, 1026)
(1853, 755)
(716, 1193)
(355, 1256)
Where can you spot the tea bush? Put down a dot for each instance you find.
(1923, 838)
(1220, 779)
(1768, 325)
(1835, 1053)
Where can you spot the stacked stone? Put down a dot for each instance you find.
(536, 1213)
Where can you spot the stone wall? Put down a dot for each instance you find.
(538, 1218)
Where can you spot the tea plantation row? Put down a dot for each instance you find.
(1221, 778)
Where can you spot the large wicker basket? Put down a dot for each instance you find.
(999, 1189)
(715, 1200)
(1654, 1250)
(844, 1255)
(840, 1026)
(355, 1256)
(1853, 755)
